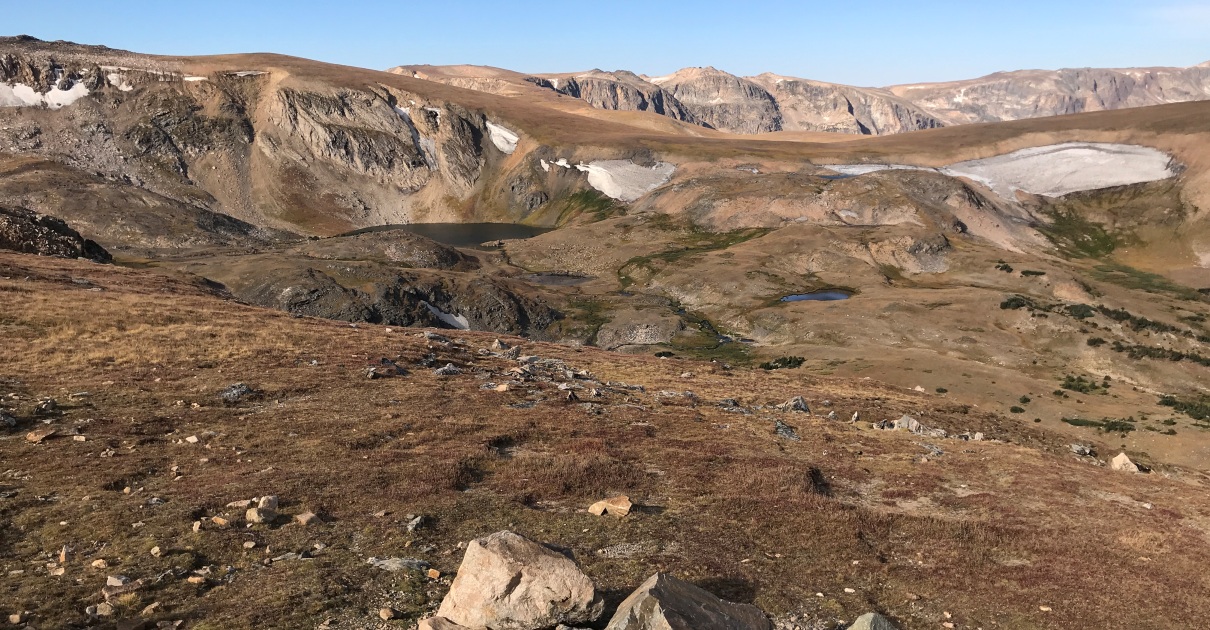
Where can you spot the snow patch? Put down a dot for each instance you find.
(545, 165)
(455, 321)
(1052, 170)
(504, 139)
(119, 81)
(247, 73)
(21, 95)
(192, 79)
(624, 180)
(563, 162)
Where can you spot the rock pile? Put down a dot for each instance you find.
(509, 582)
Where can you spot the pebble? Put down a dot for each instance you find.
(850, 591)
(386, 614)
(100, 563)
(155, 552)
(306, 518)
(249, 544)
(116, 580)
(191, 439)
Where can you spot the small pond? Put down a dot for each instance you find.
(556, 279)
(461, 234)
(829, 295)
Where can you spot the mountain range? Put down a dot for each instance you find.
(769, 102)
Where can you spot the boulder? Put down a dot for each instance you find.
(1123, 463)
(666, 603)
(872, 621)
(1082, 450)
(909, 423)
(508, 582)
(797, 403)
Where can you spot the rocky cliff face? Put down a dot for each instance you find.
(619, 90)
(724, 101)
(31, 233)
(1034, 93)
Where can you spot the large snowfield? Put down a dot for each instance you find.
(1053, 170)
(21, 95)
(624, 180)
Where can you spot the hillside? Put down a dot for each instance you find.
(816, 521)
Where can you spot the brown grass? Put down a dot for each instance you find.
(721, 501)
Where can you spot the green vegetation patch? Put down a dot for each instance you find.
(1107, 425)
(1077, 237)
(783, 363)
(1197, 409)
(1131, 278)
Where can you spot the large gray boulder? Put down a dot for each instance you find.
(508, 582)
(666, 603)
(872, 621)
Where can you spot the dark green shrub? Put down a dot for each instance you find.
(781, 363)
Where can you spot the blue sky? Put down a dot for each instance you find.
(864, 43)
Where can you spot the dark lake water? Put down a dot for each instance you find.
(817, 296)
(461, 234)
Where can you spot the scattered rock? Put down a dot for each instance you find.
(508, 582)
(872, 621)
(386, 614)
(1123, 463)
(399, 564)
(219, 521)
(116, 580)
(448, 370)
(47, 407)
(246, 503)
(100, 563)
(7, 421)
(616, 506)
(499, 346)
(666, 602)
(306, 518)
(235, 393)
(385, 369)
(250, 544)
(193, 439)
(417, 523)
(909, 423)
(151, 609)
(156, 552)
(18, 618)
(1083, 450)
(433, 574)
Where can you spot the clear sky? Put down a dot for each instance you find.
(869, 43)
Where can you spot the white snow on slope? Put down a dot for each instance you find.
(456, 321)
(21, 95)
(117, 80)
(504, 138)
(624, 180)
(193, 79)
(1053, 171)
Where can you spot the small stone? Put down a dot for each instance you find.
(191, 439)
(502, 388)
(100, 563)
(220, 521)
(1044, 608)
(306, 518)
(156, 552)
(616, 506)
(197, 526)
(386, 614)
(151, 609)
(104, 609)
(267, 502)
(433, 574)
(195, 579)
(417, 522)
(63, 555)
(849, 591)
(58, 571)
(250, 544)
(116, 580)
(79, 438)
(1082, 450)
(245, 504)
(17, 618)
(449, 369)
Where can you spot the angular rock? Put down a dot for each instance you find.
(439, 623)
(872, 621)
(1123, 463)
(667, 603)
(797, 403)
(306, 518)
(236, 393)
(508, 582)
(616, 506)
(260, 515)
(449, 369)
(267, 502)
(909, 423)
(37, 435)
(1082, 450)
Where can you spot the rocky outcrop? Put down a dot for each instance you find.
(508, 582)
(620, 90)
(31, 233)
(724, 101)
(872, 621)
(816, 106)
(666, 603)
(1036, 93)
